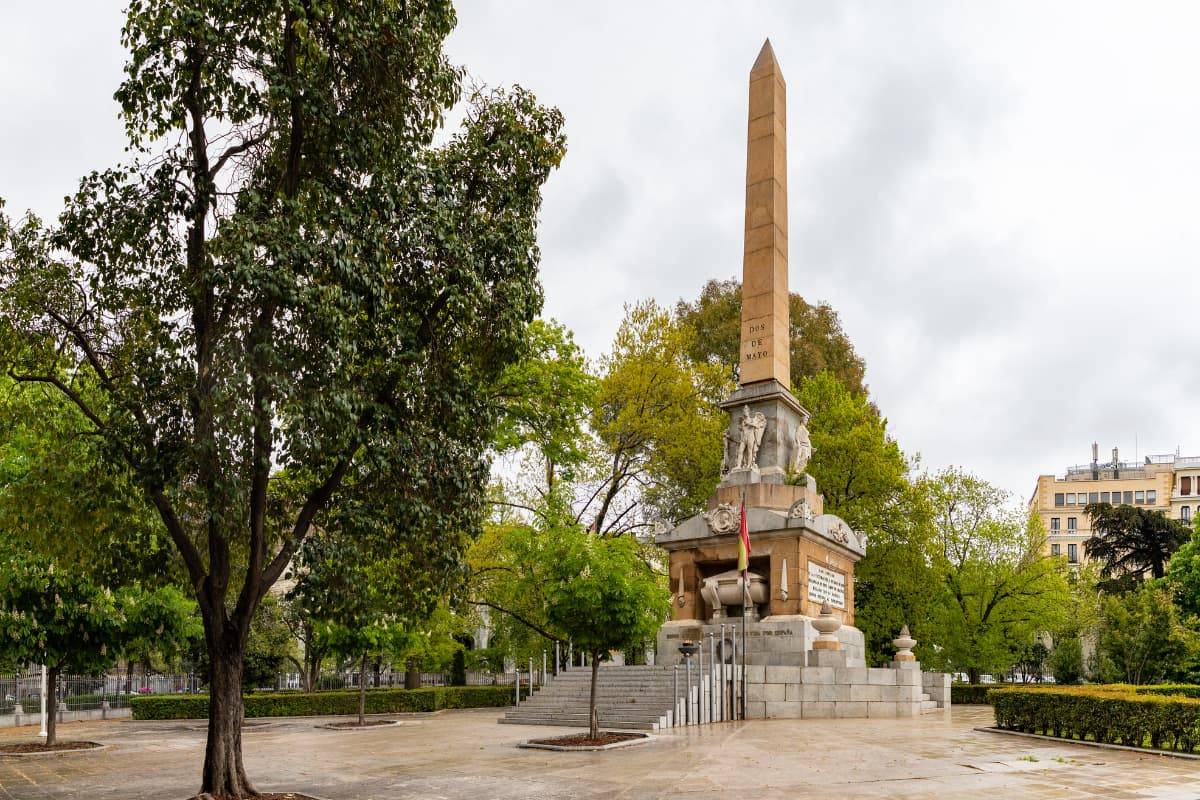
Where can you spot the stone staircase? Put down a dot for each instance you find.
(633, 698)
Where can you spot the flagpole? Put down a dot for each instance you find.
(745, 602)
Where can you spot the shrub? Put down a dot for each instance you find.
(458, 669)
(1112, 714)
(968, 694)
(312, 704)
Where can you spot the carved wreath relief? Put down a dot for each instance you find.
(723, 519)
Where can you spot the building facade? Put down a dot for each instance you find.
(1167, 483)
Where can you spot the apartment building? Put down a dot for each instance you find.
(1166, 483)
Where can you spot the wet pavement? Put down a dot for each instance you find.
(466, 754)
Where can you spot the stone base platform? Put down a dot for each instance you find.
(828, 689)
(777, 641)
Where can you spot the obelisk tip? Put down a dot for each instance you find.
(766, 58)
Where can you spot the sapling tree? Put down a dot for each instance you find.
(287, 277)
(58, 618)
(603, 597)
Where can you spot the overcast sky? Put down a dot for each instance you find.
(1000, 201)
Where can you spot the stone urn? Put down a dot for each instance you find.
(904, 643)
(725, 589)
(827, 626)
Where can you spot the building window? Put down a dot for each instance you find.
(1054, 521)
(1128, 498)
(1094, 497)
(1070, 498)
(1104, 497)
(1058, 499)
(1055, 549)
(1185, 485)
(1073, 553)
(1185, 513)
(1151, 497)
(1071, 523)
(1139, 497)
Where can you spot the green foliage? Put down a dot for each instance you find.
(656, 416)
(51, 616)
(299, 704)
(1132, 543)
(962, 694)
(1183, 576)
(1142, 639)
(858, 467)
(1109, 714)
(289, 297)
(60, 495)
(545, 398)
(999, 591)
(268, 647)
(602, 595)
(818, 343)
(1066, 659)
(162, 622)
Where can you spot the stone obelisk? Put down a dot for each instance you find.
(765, 330)
(765, 420)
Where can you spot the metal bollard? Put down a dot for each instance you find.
(557, 660)
(712, 678)
(675, 696)
(543, 667)
(687, 701)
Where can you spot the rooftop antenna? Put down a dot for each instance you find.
(1095, 461)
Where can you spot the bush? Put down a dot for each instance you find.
(1112, 714)
(965, 694)
(314, 704)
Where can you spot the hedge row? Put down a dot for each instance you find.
(315, 704)
(968, 694)
(1110, 714)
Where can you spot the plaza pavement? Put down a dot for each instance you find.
(465, 754)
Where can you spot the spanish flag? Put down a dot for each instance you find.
(743, 543)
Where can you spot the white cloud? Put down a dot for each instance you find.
(997, 198)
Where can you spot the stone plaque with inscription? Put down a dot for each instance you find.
(826, 584)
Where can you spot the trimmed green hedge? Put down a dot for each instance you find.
(316, 704)
(1112, 714)
(962, 694)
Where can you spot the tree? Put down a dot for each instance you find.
(295, 281)
(1141, 637)
(1132, 543)
(655, 415)
(51, 616)
(161, 622)
(1183, 576)
(603, 597)
(545, 399)
(1066, 659)
(818, 343)
(858, 467)
(999, 590)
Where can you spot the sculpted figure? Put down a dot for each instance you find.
(801, 446)
(750, 432)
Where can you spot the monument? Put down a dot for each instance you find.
(803, 655)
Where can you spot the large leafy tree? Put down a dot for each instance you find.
(818, 343)
(1132, 543)
(998, 590)
(293, 278)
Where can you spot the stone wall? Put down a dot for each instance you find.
(832, 692)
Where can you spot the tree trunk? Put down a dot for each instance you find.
(129, 677)
(224, 775)
(362, 691)
(972, 675)
(412, 674)
(52, 705)
(593, 717)
(378, 668)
